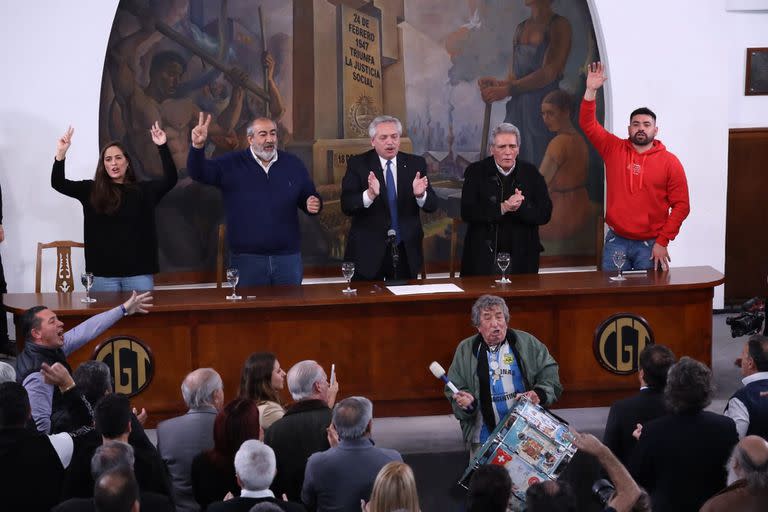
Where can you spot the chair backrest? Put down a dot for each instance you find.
(220, 254)
(65, 283)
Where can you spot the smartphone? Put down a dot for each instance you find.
(333, 372)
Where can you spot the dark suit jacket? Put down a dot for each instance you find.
(367, 239)
(624, 416)
(245, 504)
(150, 502)
(680, 459)
(481, 198)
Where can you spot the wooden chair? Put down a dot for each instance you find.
(221, 248)
(65, 283)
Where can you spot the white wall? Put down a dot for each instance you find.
(674, 57)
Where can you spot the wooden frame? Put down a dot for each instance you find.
(756, 81)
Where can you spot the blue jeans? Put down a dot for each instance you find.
(638, 252)
(260, 270)
(140, 283)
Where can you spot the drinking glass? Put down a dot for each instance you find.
(233, 276)
(502, 260)
(348, 270)
(619, 258)
(87, 279)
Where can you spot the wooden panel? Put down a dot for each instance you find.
(746, 266)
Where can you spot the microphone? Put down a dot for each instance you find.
(439, 372)
(392, 240)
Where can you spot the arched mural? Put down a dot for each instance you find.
(449, 69)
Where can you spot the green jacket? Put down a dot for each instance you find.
(539, 369)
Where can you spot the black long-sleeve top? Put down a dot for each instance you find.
(124, 243)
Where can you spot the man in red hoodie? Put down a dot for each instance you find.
(647, 198)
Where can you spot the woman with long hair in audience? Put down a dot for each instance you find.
(118, 213)
(394, 489)
(261, 380)
(213, 471)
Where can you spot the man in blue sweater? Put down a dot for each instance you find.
(262, 189)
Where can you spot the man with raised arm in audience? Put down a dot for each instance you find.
(495, 366)
(748, 406)
(646, 189)
(749, 463)
(181, 438)
(303, 429)
(46, 342)
(255, 467)
(648, 404)
(337, 479)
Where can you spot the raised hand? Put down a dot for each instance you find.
(200, 132)
(595, 76)
(138, 303)
(158, 135)
(57, 375)
(420, 185)
(313, 204)
(269, 63)
(374, 188)
(62, 145)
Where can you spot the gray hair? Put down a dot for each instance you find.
(7, 372)
(755, 474)
(302, 377)
(351, 417)
(93, 379)
(110, 455)
(504, 128)
(250, 131)
(689, 386)
(199, 387)
(486, 302)
(265, 506)
(255, 465)
(381, 120)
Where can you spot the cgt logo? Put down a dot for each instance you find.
(130, 361)
(619, 341)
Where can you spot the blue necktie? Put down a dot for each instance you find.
(392, 199)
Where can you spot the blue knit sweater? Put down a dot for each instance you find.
(260, 208)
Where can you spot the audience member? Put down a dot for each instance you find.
(648, 404)
(302, 431)
(31, 472)
(180, 439)
(255, 467)
(680, 458)
(550, 496)
(338, 478)
(116, 491)
(394, 490)
(94, 380)
(747, 407)
(262, 379)
(46, 342)
(213, 471)
(265, 506)
(7, 372)
(749, 463)
(490, 489)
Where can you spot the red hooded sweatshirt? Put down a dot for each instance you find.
(647, 192)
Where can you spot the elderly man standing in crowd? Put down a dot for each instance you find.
(503, 201)
(262, 189)
(181, 438)
(46, 342)
(749, 463)
(748, 408)
(493, 367)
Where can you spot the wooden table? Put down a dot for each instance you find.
(382, 344)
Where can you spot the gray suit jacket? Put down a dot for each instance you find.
(338, 478)
(179, 440)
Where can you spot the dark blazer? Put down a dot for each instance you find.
(245, 504)
(367, 239)
(149, 501)
(294, 437)
(481, 198)
(680, 459)
(624, 416)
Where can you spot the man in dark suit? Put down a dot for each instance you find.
(181, 438)
(255, 467)
(382, 190)
(647, 405)
(681, 458)
(503, 201)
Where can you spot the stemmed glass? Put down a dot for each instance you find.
(233, 276)
(87, 279)
(502, 260)
(348, 270)
(619, 258)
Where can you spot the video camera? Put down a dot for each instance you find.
(750, 320)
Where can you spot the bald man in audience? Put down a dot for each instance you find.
(748, 407)
(749, 463)
(117, 491)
